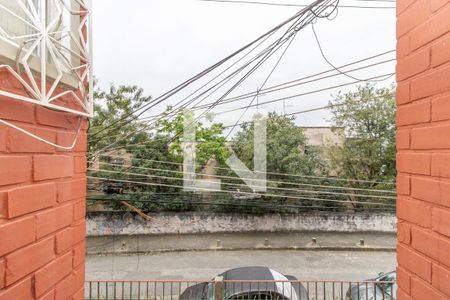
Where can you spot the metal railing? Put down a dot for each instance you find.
(238, 289)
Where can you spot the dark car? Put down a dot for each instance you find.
(381, 289)
(250, 283)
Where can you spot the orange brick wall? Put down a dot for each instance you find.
(42, 203)
(423, 145)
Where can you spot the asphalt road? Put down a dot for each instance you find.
(201, 265)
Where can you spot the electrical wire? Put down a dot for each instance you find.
(295, 113)
(267, 180)
(145, 143)
(292, 5)
(172, 112)
(267, 55)
(285, 86)
(288, 85)
(298, 26)
(206, 71)
(249, 186)
(32, 135)
(271, 173)
(263, 84)
(302, 94)
(308, 9)
(303, 111)
(295, 82)
(244, 185)
(242, 193)
(299, 95)
(218, 75)
(385, 76)
(333, 66)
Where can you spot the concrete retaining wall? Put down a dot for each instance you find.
(108, 223)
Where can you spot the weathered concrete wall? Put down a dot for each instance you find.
(108, 223)
(305, 240)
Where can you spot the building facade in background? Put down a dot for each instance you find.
(323, 139)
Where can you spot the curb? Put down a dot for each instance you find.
(311, 248)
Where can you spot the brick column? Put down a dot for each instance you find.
(423, 144)
(42, 202)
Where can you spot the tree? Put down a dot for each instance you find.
(286, 144)
(367, 117)
(110, 108)
(285, 147)
(155, 150)
(107, 128)
(209, 141)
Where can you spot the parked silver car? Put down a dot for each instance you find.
(250, 283)
(383, 287)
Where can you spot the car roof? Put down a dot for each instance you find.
(391, 274)
(256, 273)
(248, 273)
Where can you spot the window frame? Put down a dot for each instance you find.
(67, 70)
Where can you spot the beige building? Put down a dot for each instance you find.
(322, 138)
(116, 157)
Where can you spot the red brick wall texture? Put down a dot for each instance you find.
(42, 189)
(42, 202)
(423, 145)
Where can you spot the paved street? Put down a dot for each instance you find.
(307, 265)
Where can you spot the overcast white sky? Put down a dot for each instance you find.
(157, 44)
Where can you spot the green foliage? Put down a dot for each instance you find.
(285, 147)
(368, 119)
(365, 119)
(110, 107)
(150, 147)
(210, 143)
(286, 144)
